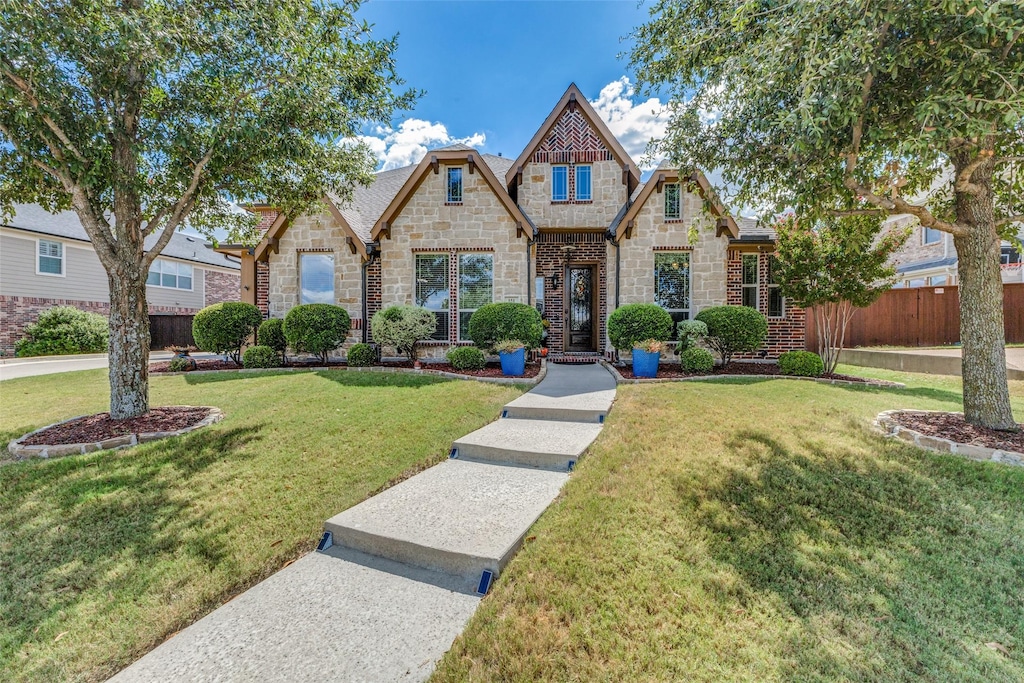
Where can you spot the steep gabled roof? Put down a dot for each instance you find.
(666, 174)
(575, 96)
(430, 163)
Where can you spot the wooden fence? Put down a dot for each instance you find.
(922, 316)
(170, 330)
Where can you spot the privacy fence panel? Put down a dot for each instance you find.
(170, 330)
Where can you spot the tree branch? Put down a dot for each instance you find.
(26, 89)
(1018, 218)
(180, 211)
(963, 180)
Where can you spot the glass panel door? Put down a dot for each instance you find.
(580, 281)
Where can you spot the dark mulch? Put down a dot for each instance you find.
(218, 364)
(492, 369)
(93, 428)
(674, 371)
(953, 426)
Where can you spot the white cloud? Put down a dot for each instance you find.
(634, 124)
(412, 139)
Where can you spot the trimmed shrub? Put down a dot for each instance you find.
(689, 333)
(181, 364)
(634, 323)
(360, 356)
(801, 364)
(261, 357)
(62, 330)
(225, 327)
(402, 327)
(466, 358)
(492, 323)
(271, 333)
(316, 328)
(733, 329)
(696, 359)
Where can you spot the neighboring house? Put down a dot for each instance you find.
(47, 260)
(929, 259)
(568, 227)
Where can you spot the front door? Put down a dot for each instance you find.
(580, 313)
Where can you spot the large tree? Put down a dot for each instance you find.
(862, 106)
(142, 115)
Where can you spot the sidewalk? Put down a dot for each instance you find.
(944, 361)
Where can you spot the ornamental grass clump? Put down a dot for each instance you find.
(733, 329)
(317, 329)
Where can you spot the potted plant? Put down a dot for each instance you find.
(635, 325)
(646, 356)
(513, 357)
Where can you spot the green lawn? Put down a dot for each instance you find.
(757, 531)
(102, 556)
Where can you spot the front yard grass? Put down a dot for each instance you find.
(102, 556)
(757, 531)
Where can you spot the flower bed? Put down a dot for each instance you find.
(740, 368)
(491, 369)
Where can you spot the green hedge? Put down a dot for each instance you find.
(733, 329)
(225, 327)
(634, 323)
(271, 333)
(493, 323)
(63, 330)
(360, 356)
(466, 358)
(801, 363)
(261, 357)
(316, 328)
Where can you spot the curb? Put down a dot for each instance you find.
(21, 452)
(873, 383)
(885, 424)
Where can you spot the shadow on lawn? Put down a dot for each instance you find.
(876, 551)
(98, 524)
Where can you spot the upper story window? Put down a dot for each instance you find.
(931, 235)
(776, 302)
(431, 291)
(316, 278)
(170, 274)
(454, 185)
(559, 183)
(50, 258)
(673, 209)
(584, 191)
(749, 264)
(672, 285)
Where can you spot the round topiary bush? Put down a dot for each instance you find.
(261, 357)
(402, 327)
(271, 333)
(696, 359)
(801, 364)
(467, 358)
(360, 356)
(733, 329)
(316, 328)
(62, 330)
(492, 323)
(633, 323)
(225, 327)
(689, 332)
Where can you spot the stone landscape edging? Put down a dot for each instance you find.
(885, 424)
(22, 451)
(875, 383)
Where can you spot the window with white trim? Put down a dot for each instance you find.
(476, 287)
(432, 291)
(170, 274)
(559, 183)
(776, 302)
(454, 195)
(672, 285)
(538, 291)
(931, 235)
(673, 209)
(50, 258)
(749, 267)
(584, 190)
(316, 277)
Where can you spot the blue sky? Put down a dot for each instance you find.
(493, 70)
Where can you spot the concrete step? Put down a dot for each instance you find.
(568, 393)
(528, 443)
(458, 517)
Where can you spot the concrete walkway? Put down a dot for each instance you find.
(943, 361)
(402, 580)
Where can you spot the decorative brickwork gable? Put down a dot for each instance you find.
(572, 140)
(784, 334)
(590, 248)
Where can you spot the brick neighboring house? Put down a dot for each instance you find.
(47, 260)
(568, 227)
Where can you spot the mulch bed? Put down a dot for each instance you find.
(218, 364)
(491, 370)
(99, 427)
(954, 427)
(674, 371)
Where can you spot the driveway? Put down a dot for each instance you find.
(12, 368)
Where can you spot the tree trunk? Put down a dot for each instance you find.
(129, 346)
(986, 391)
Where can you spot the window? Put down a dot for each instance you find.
(672, 205)
(454, 185)
(432, 289)
(538, 290)
(1009, 255)
(938, 280)
(750, 280)
(476, 287)
(916, 282)
(50, 258)
(559, 183)
(931, 235)
(170, 274)
(672, 285)
(776, 302)
(316, 278)
(583, 189)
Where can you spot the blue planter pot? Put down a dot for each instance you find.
(645, 364)
(513, 363)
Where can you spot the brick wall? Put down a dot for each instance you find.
(784, 334)
(220, 286)
(373, 293)
(590, 248)
(263, 288)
